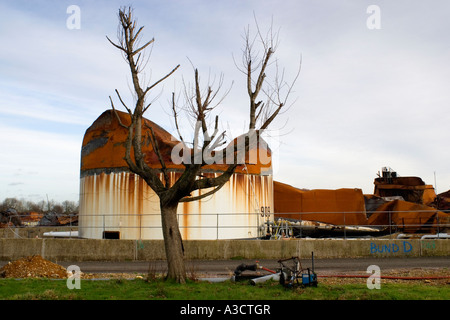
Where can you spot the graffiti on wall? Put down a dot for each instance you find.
(403, 247)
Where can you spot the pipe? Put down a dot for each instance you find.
(264, 268)
(275, 277)
(436, 236)
(384, 277)
(271, 271)
(61, 234)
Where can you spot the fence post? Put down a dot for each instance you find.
(437, 221)
(301, 229)
(345, 232)
(390, 228)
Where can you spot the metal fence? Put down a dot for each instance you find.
(393, 223)
(262, 225)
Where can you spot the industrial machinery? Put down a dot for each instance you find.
(290, 274)
(294, 275)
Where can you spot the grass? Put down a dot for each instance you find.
(140, 289)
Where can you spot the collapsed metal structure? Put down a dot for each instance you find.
(399, 204)
(115, 203)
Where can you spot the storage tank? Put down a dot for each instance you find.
(116, 203)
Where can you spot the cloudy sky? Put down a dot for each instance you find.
(366, 97)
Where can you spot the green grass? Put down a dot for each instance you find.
(138, 289)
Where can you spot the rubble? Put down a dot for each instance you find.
(10, 217)
(443, 201)
(33, 267)
(49, 219)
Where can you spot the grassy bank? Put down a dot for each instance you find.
(140, 289)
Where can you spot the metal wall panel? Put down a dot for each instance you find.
(121, 201)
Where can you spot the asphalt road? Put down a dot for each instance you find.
(226, 267)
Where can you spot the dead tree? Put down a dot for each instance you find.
(199, 104)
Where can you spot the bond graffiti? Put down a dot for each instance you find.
(403, 247)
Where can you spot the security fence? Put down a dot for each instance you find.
(234, 225)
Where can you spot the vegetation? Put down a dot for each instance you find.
(141, 289)
(23, 206)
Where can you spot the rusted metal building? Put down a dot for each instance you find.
(115, 203)
(412, 189)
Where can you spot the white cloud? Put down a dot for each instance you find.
(366, 98)
(39, 163)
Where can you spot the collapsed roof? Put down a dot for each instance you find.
(103, 147)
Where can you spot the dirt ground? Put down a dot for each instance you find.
(438, 276)
(37, 267)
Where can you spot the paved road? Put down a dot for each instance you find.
(226, 267)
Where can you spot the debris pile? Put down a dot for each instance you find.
(33, 267)
(49, 219)
(398, 204)
(10, 217)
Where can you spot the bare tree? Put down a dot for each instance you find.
(207, 141)
(254, 65)
(69, 207)
(12, 203)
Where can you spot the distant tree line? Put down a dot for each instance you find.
(22, 206)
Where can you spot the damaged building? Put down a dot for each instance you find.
(115, 203)
(398, 204)
(412, 189)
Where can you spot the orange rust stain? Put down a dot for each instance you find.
(129, 200)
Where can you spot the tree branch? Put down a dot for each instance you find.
(155, 146)
(202, 196)
(123, 103)
(214, 182)
(117, 115)
(161, 80)
(175, 117)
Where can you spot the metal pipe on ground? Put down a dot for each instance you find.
(275, 277)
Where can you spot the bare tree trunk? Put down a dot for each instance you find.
(173, 242)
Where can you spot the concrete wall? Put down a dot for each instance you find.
(123, 250)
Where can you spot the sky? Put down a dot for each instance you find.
(373, 89)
